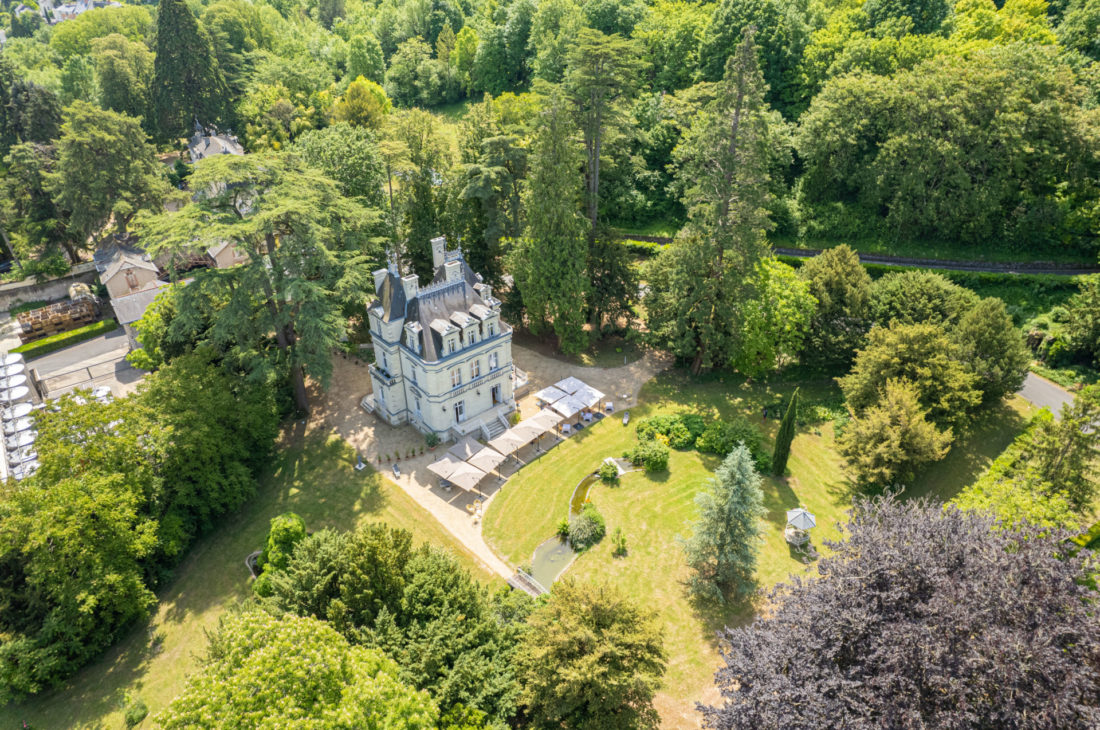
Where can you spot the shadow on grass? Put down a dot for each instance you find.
(779, 499)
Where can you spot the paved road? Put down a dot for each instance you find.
(80, 354)
(1044, 394)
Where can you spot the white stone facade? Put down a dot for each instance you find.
(443, 356)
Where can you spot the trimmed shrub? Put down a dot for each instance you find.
(609, 473)
(651, 453)
(588, 528)
(618, 539)
(432, 440)
(720, 437)
(679, 437)
(135, 713)
(563, 529)
(62, 340)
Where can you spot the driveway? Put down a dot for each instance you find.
(338, 409)
(89, 364)
(1042, 393)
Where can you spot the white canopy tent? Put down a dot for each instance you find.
(570, 385)
(569, 406)
(800, 519)
(550, 394)
(589, 396)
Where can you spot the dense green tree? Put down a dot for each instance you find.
(554, 29)
(350, 156)
(33, 113)
(74, 37)
(726, 537)
(329, 11)
(494, 183)
(286, 531)
(549, 260)
(426, 156)
(44, 226)
(993, 348)
(928, 359)
(784, 436)
(71, 552)
(1063, 451)
(520, 47)
(592, 659)
(262, 670)
(774, 323)
(601, 74)
(236, 29)
(365, 58)
(1080, 28)
(919, 297)
(446, 633)
(842, 317)
(932, 152)
(309, 253)
(925, 16)
(613, 283)
(188, 84)
(490, 68)
(105, 170)
(781, 32)
(78, 80)
(124, 73)
(1083, 326)
(25, 24)
(364, 104)
(614, 16)
(671, 33)
(698, 288)
(888, 441)
(402, 76)
(463, 57)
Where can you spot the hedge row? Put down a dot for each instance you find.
(62, 340)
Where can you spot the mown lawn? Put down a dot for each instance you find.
(311, 475)
(654, 509)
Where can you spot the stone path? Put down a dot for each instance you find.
(338, 408)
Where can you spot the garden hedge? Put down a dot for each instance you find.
(46, 345)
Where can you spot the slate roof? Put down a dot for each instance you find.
(205, 146)
(123, 260)
(131, 308)
(436, 307)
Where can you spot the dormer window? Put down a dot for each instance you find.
(492, 329)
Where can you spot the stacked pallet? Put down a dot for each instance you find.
(56, 318)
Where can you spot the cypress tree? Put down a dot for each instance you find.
(784, 437)
(188, 84)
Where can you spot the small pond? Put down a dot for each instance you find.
(550, 559)
(580, 494)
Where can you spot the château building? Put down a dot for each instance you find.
(442, 354)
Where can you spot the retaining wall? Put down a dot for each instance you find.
(30, 290)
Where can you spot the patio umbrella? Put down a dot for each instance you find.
(569, 406)
(466, 476)
(546, 419)
(11, 358)
(800, 519)
(445, 466)
(15, 458)
(24, 470)
(487, 459)
(528, 430)
(6, 371)
(550, 394)
(570, 385)
(508, 442)
(465, 448)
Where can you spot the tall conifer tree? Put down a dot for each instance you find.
(549, 261)
(785, 436)
(188, 83)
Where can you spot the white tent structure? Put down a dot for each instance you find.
(800, 519)
(550, 394)
(589, 396)
(569, 406)
(570, 385)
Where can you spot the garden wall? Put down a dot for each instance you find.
(46, 291)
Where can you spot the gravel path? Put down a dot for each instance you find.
(1045, 394)
(338, 409)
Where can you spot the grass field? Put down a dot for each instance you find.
(311, 475)
(654, 509)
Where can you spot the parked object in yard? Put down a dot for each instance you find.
(396, 471)
(56, 318)
(626, 418)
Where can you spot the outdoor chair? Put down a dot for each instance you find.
(626, 418)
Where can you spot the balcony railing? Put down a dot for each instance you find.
(382, 375)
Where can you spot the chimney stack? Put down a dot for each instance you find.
(439, 251)
(411, 284)
(379, 278)
(452, 271)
